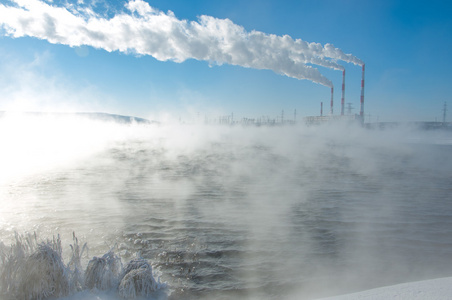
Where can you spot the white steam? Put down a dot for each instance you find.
(325, 210)
(144, 30)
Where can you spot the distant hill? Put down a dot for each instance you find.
(93, 116)
(115, 118)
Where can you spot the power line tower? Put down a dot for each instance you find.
(444, 113)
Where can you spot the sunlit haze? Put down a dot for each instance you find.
(206, 58)
(261, 149)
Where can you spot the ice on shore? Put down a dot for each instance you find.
(434, 289)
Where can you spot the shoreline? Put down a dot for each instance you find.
(432, 289)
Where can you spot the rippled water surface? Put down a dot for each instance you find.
(239, 212)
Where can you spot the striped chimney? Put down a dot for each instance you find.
(343, 93)
(332, 90)
(361, 110)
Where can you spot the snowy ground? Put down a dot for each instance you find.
(435, 289)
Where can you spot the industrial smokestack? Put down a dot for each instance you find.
(331, 109)
(343, 93)
(321, 109)
(361, 110)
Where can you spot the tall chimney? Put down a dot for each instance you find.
(321, 109)
(343, 93)
(331, 110)
(361, 110)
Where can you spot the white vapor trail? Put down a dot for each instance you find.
(144, 30)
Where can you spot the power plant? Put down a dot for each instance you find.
(311, 120)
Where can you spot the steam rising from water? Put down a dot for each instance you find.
(144, 30)
(236, 212)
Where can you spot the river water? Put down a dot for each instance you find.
(221, 212)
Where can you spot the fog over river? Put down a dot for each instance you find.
(225, 212)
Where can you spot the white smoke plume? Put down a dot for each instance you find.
(144, 30)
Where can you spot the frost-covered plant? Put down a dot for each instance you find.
(75, 265)
(12, 259)
(43, 274)
(34, 271)
(138, 280)
(103, 272)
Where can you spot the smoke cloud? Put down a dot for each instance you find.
(144, 30)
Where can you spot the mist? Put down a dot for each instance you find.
(236, 211)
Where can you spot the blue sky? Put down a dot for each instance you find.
(405, 45)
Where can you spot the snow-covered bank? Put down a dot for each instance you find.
(435, 289)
